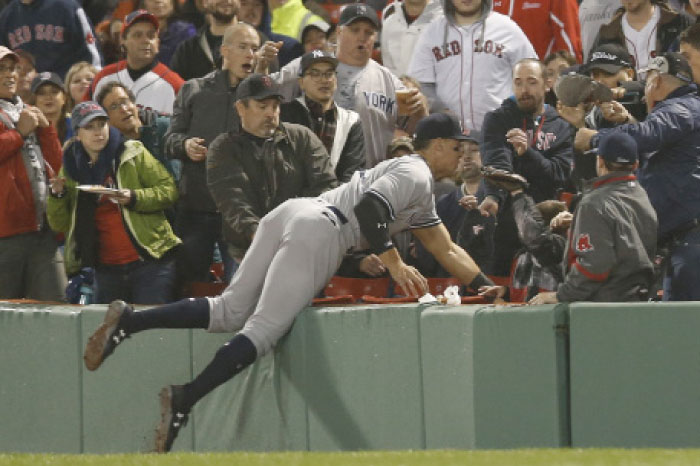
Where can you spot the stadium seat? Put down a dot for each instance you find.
(334, 300)
(203, 289)
(357, 287)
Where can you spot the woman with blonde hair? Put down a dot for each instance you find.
(78, 80)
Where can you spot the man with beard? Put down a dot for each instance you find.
(203, 110)
(253, 170)
(154, 84)
(201, 53)
(527, 137)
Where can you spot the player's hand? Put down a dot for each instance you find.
(614, 112)
(195, 149)
(561, 220)
(518, 139)
(469, 202)
(493, 292)
(28, 121)
(582, 142)
(57, 185)
(489, 207)
(546, 297)
(417, 103)
(372, 266)
(410, 280)
(574, 115)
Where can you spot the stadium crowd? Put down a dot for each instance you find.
(142, 141)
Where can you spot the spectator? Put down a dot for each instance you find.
(613, 241)
(56, 32)
(30, 154)
(459, 212)
(154, 84)
(593, 14)
(339, 130)
(646, 27)
(195, 12)
(315, 37)
(255, 13)
(668, 168)
(252, 171)
(108, 33)
(690, 9)
(554, 64)
(550, 25)
(78, 81)
(27, 73)
(690, 49)
(290, 17)
(173, 31)
(121, 232)
(529, 138)
(203, 110)
(472, 83)
(142, 124)
(50, 97)
(402, 24)
(201, 54)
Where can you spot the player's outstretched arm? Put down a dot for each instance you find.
(409, 279)
(453, 258)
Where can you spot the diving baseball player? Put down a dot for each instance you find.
(296, 250)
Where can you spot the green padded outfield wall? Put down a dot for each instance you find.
(635, 375)
(495, 377)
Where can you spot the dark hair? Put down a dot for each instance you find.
(563, 54)
(691, 36)
(109, 87)
(619, 167)
(550, 209)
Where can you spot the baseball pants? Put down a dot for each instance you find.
(296, 250)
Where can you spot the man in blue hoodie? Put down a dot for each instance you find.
(530, 138)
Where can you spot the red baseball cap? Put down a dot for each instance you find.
(137, 16)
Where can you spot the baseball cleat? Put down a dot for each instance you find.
(173, 416)
(108, 335)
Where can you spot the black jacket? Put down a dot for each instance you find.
(352, 157)
(546, 164)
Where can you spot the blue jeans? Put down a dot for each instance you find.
(200, 232)
(682, 281)
(141, 282)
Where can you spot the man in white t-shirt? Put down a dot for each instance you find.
(464, 59)
(646, 27)
(592, 14)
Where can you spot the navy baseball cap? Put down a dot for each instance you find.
(44, 78)
(258, 87)
(672, 63)
(609, 57)
(85, 112)
(618, 147)
(355, 11)
(137, 16)
(316, 56)
(472, 135)
(440, 125)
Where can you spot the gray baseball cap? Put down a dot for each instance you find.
(85, 112)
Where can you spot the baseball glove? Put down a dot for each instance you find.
(504, 179)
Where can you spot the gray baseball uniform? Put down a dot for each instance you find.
(300, 244)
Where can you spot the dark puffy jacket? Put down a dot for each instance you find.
(671, 24)
(669, 142)
(546, 164)
(247, 182)
(204, 109)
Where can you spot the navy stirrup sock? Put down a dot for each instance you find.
(237, 354)
(186, 313)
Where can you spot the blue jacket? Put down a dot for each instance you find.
(669, 168)
(56, 32)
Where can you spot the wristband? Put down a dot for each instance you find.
(479, 281)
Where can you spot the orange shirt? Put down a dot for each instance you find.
(115, 246)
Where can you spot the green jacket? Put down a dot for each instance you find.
(153, 189)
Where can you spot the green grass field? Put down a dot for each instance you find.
(560, 457)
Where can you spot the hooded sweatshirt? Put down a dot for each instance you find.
(470, 67)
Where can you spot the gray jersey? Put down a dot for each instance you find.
(404, 184)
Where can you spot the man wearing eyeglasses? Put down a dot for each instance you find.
(339, 129)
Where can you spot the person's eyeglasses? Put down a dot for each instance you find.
(9, 68)
(117, 104)
(316, 75)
